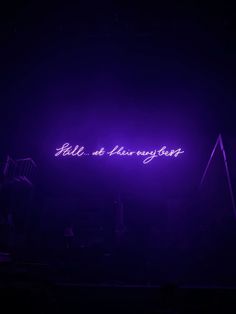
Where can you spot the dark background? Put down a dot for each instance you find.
(114, 60)
(139, 75)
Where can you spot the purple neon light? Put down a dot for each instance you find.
(78, 151)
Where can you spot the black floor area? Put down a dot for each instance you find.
(38, 296)
(95, 281)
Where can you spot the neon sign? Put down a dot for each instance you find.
(79, 151)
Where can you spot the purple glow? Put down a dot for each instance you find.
(77, 151)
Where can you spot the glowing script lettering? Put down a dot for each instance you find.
(67, 150)
(79, 151)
